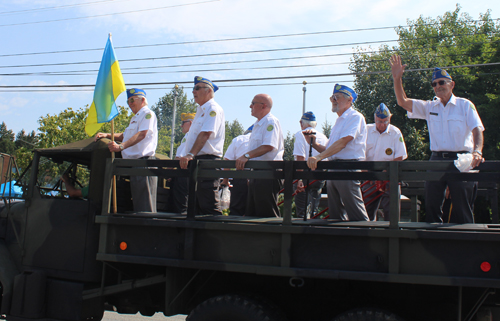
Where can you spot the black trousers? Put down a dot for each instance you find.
(239, 193)
(463, 195)
(263, 197)
(207, 193)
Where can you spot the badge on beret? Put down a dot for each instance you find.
(443, 73)
(401, 139)
(270, 128)
(199, 78)
(338, 87)
(148, 116)
(388, 151)
(213, 113)
(132, 91)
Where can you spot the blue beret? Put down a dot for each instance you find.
(135, 92)
(440, 73)
(309, 116)
(382, 111)
(345, 90)
(199, 79)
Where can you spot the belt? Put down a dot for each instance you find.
(147, 157)
(447, 154)
(207, 156)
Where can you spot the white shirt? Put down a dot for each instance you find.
(267, 131)
(384, 146)
(301, 147)
(450, 127)
(145, 119)
(238, 147)
(209, 118)
(351, 123)
(181, 150)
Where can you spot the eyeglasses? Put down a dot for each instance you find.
(382, 122)
(185, 121)
(199, 87)
(131, 100)
(335, 97)
(441, 83)
(256, 102)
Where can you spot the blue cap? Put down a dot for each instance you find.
(440, 73)
(135, 92)
(345, 90)
(199, 79)
(382, 111)
(309, 116)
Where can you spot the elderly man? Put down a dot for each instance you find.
(206, 141)
(301, 153)
(180, 185)
(454, 128)
(239, 190)
(384, 142)
(347, 142)
(138, 141)
(267, 144)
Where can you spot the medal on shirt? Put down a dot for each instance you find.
(388, 151)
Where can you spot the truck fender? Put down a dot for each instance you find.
(8, 270)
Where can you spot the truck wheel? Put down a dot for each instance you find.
(367, 314)
(234, 308)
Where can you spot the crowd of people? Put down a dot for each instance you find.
(454, 128)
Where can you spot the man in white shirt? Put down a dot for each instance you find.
(180, 185)
(239, 189)
(266, 143)
(347, 142)
(206, 141)
(384, 142)
(138, 141)
(301, 153)
(454, 128)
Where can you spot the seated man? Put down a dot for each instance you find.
(72, 191)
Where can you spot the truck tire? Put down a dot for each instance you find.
(367, 314)
(235, 308)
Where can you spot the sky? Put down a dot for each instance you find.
(165, 42)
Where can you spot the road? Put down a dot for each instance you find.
(113, 316)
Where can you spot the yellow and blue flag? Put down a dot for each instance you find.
(109, 86)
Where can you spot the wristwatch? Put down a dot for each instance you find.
(476, 151)
(190, 154)
(121, 146)
(247, 156)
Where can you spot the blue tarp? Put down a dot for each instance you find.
(11, 191)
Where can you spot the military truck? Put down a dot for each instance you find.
(69, 259)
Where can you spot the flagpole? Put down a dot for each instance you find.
(113, 192)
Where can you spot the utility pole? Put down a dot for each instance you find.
(304, 98)
(173, 123)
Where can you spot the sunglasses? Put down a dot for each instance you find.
(199, 87)
(131, 100)
(441, 83)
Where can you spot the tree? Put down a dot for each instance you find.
(453, 39)
(233, 130)
(164, 112)
(288, 146)
(326, 128)
(7, 144)
(28, 141)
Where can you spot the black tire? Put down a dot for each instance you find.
(235, 308)
(367, 314)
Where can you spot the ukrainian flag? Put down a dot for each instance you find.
(109, 86)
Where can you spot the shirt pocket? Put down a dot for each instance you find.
(130, 131)
(458, 129)
(256, 140)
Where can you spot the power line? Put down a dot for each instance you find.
(260, 79)
(106, 15)
(58, 7)
(223, 40)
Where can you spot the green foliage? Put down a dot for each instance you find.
(7, 145)
(289, 141)
(453, 39)
(233, 130)
(164, 112)
(326, 128)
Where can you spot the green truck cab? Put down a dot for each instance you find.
(69, 259)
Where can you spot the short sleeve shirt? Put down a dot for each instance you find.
(238, 147)
(145, 119)
(450, 126)
(209, 118)
(351, 123)
(267, 131)
(384, 146)
(301, 147)
(181, 150)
